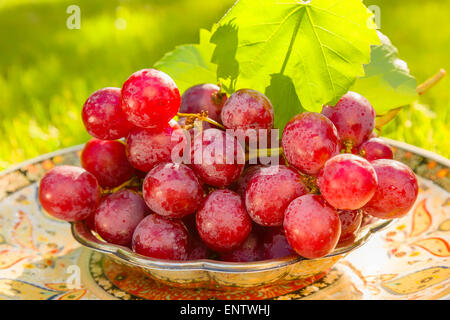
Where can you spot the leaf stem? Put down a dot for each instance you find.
(427, 85)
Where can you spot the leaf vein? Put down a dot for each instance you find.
(321, 49)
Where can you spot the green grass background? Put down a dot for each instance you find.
(47, 71)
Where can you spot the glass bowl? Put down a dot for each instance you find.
(219, 275)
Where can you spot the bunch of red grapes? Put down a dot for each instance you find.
(335, 175)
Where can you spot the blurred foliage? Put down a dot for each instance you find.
(47, 71)
(421, 32)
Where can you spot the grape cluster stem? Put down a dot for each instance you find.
(202, 116)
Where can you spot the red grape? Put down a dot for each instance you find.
(69, 193)
(107, 161)
(204, 97)
(118, 216)
(275, 244)
(250, 250)
(222, 222)
(161, 238)
(259, 229)
(349, 240)
(282, 184)
(247, 109)
(150, 98)
(198, 249)
(242, 182)
(172, 190)
(90, 221)
(103, 116)
(309, 140)
(375, 149)
(396, 192)
(350, 222)
(353, 116)
(347, 181)
(367, 219)
(353, 150)
(189, 222)
(148, 147)
(217, 157)
(312, 226)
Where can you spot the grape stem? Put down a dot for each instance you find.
(202, 116)
(268, 153)
(427, 85)
(348, 146)
(311, 183)
(129, 183)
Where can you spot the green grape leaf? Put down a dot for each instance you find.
(190, 64)
(387, 83)
(316, 48)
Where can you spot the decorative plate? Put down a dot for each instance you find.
(39, 259)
